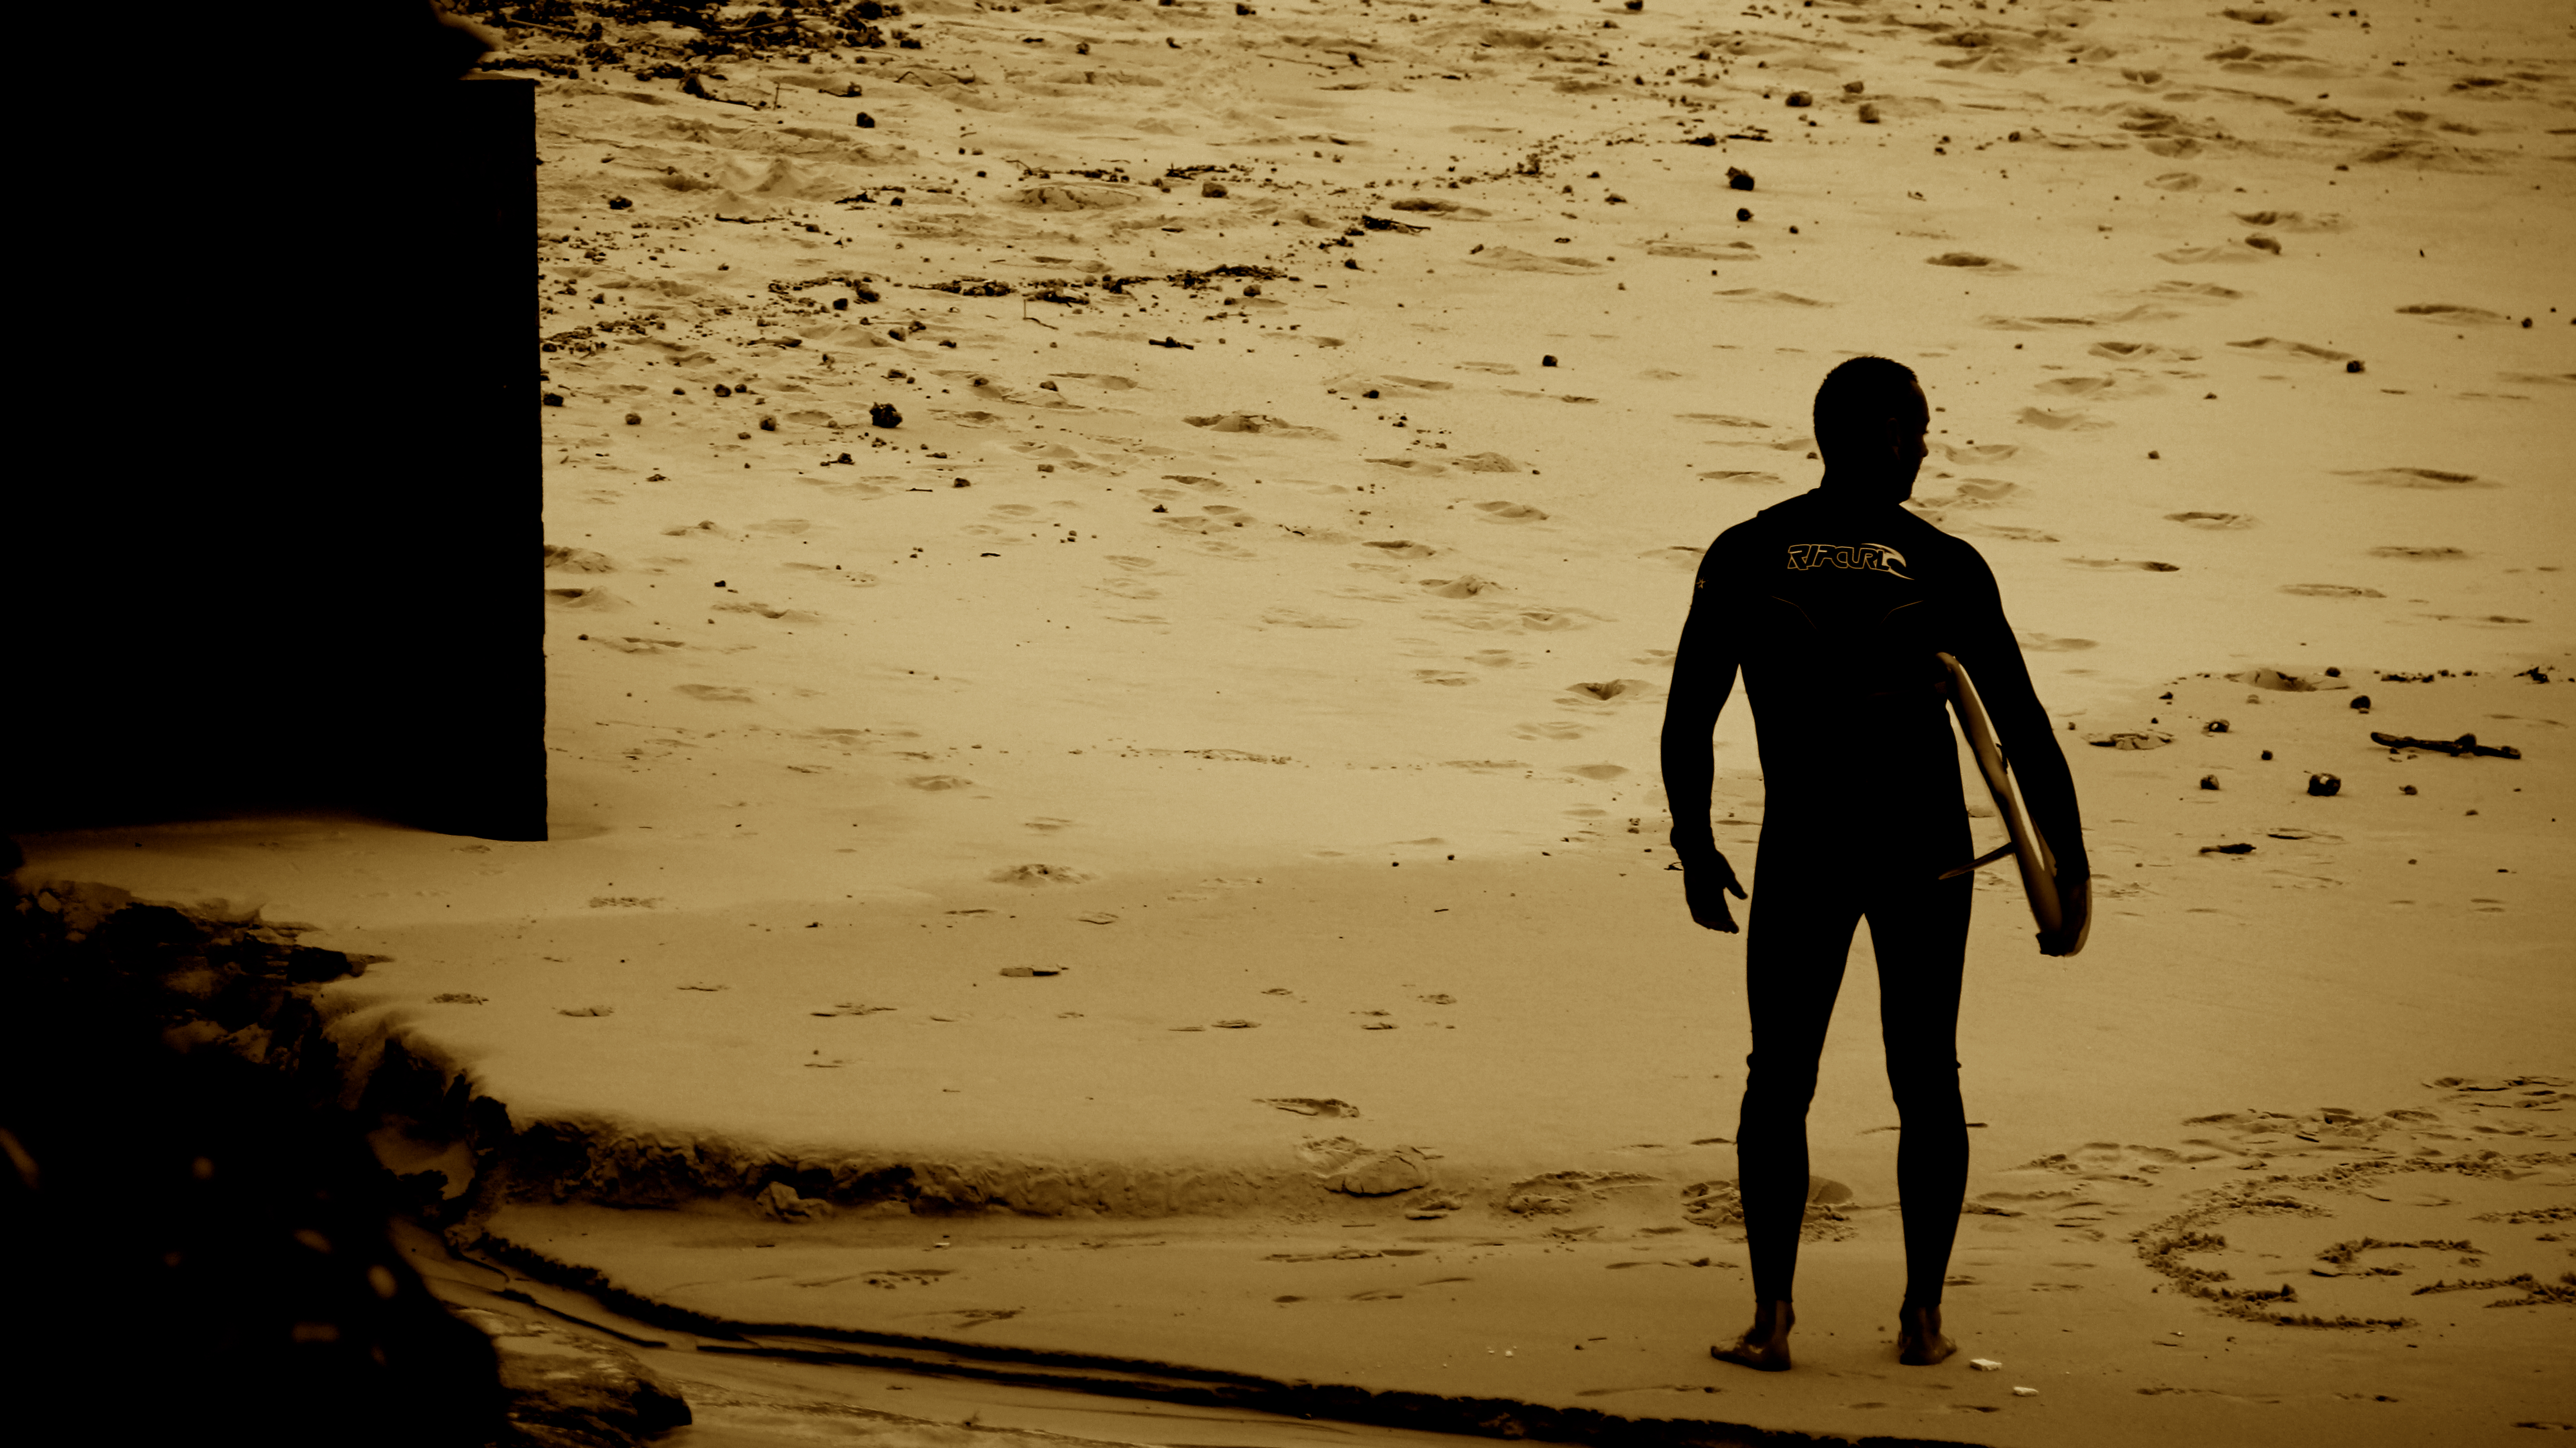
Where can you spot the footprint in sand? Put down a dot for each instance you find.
(577, 560)
(2202, 255)
(1443, 676)
(2212, 520)
(1400, 548)
(1463, 586)
(715, 693)
(2425, 553)
(588, 600)
(1778, 299)
(937, 782)
(1602, 772)
(2006, 532)
(1724, 475)
(1501, 511)
(2061, 421)
(2446, 312)
(2141, 351)
(1970, 259)
(2117, 563)
(1299, 618)
(2299, 351)
(1606, 691)
(2331, 590)
(1679, 555)
(1046, 824)
(1985, 452)
(2046, 644)
(2430, 479)
(1560, 730)
(1135, 589)
(2194, 291)
(1719, 419)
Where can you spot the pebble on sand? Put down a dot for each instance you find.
(883, 414)
(2324, 785)
(1739, 178)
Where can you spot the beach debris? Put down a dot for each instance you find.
(2466, 744)
(782, 1201)
(1036, 874)
(2236, 849)
(2025, 1392)
(1030, 970)
(2214, 726)
(1985, 1365)
(1309, 1105)
(2324, 786)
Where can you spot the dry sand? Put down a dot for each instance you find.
(1286, 700)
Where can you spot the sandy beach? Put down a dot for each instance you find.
(1111, 575)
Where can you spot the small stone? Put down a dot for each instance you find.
(1211, 188)
(634, 419)
(2361, 702)
(883, 415)
(866, 122)
(2405, 789)
(618, 203)
(1739, 178)
(769, 424)
(1744, 213)
(2324, 785)
(1854, 87)
(1801, 98)
(1547, 361)
(551, 399)
(1869, 113)
(2267, 754)
(2352, 366)
(2209, 781)
(2214, 726)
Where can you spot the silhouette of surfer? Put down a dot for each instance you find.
(1833, 605)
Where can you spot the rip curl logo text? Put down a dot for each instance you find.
(1875, 557)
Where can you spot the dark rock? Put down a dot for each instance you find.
(1801, 98)
(618, 203)
(573, 1392)
(2324, 785)
(2352, 366)
(1744, 213)
(1547, 361)
(883, 415)
(865, 122)
(2209, 781)
(2361, 702)
(1739, 179)
(1211, 188)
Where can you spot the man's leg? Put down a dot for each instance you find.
(1798, 934)
(1919, 930)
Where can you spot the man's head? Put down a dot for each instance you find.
(1870, 423)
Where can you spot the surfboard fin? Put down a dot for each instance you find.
(1980, 862)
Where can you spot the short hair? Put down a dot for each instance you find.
(1859, 396)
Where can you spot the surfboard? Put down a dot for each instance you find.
(2028, 848)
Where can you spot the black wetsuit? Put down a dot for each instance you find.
(1833, 610)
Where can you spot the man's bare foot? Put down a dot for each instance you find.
(1765, 1345)
(1919, 1342)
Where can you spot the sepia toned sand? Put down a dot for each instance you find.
(1158, 857)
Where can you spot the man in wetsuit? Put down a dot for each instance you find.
(1834, 604)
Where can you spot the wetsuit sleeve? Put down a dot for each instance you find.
(1993, 657)
(1704, 668)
